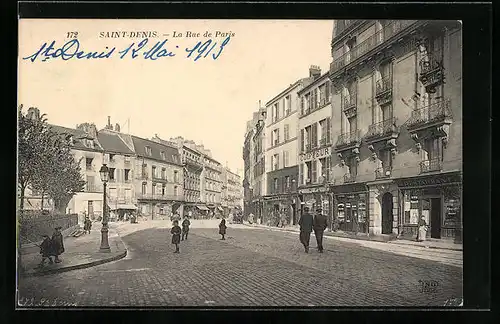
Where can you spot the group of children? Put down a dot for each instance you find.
(52, 247)
(177, 231)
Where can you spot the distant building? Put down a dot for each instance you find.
(232, 193)
(159, 179)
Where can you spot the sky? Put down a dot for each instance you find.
(208, 101)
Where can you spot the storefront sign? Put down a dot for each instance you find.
(313, 190)
(318, 154)
(429, 181)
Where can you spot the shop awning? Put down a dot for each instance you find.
(201, 207)
(123, 207)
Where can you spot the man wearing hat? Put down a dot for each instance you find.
(306, 226)
(319, 226)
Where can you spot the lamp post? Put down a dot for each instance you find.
(104, 173)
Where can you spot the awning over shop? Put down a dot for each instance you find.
(201, 207)
(123, 207)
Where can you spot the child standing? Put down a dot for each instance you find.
(176, 235)
(185, 228)
(222, 228)
(87, 225)
(45, 248)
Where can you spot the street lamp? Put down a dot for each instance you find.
(104, 173)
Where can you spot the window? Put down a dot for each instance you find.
(314, 135)
(153, 171)
(144, 188)
(175, 191)
(353, 166)
(176, 176)
(276, 162)
(307, 99)
(322, 94)
(127, 174)
(386, 114)
(288, 101)
(162, 154)
(285, 158)
(302, 143)
(308, 172)
(308, 137)
(286, 132)
(147, 149)
(314, 171)
(325, 168)
(275, 185)
(112, 174)
(386, 159)
(275, 137)
(153, 188)
(276, 112)
(287, 182)
(163, 189)
(90, 184)
(352, 122)
(88, 163)
(163, 173)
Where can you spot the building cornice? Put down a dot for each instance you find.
(314, 83)
(285, 92)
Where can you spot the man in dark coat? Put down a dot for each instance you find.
(319, 226)
(185, 228)
(306, 226)
(57, 244)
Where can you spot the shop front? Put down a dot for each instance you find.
(314, 197)
(351, 212)
(281, 209)
(437, 198)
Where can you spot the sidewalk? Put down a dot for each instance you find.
(80, 252)
(401, 242)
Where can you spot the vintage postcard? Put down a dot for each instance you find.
(219, 163)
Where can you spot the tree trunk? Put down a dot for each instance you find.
(43, 194)
(21, 203)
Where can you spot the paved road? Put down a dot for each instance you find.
(253, 267)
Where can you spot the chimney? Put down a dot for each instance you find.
(314, 71)
(117, 127)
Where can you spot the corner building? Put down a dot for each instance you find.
(315, 142)
(397, 107)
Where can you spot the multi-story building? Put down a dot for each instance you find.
(281, 153)
(119, 156)
(259, 183)
(86, 149)
(231, 191)
(248, 160)
(159, 179)
(211, 184)
(397, 106)
(315, 142)
(192, 160)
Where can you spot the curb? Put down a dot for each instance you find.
(76, 266)
(355, 238)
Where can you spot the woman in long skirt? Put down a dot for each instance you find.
(422, 230)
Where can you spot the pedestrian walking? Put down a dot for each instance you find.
(185, 228)
(250, 219)
(87, 225)
(222, 229)
(45, 250)
(57, 244)
(176, 235)
(422, 230)
(306, 226)
(319, 226)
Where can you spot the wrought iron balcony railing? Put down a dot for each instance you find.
(383, 172)
(349, 178)
(370, 43)
(349, 138)
(430, 165)
(90, 187)
(380, 129)
(435, 112)
(151, 196)
(383, 85)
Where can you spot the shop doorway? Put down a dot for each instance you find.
(387, 216)
(436, 218)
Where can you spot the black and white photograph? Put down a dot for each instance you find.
(226, 163)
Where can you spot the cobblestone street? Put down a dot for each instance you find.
(253, 267)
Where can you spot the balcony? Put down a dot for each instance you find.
(348, 141)
(159, 197)
(192, 162)
(120, 200)
(383, 90)
(90, 187)
(159, 178)
(383, 173)
(431, 73)
(369, 44)
(430, 165)
(349, 178)
(349, 106)
(433, 120)
(381, 131)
